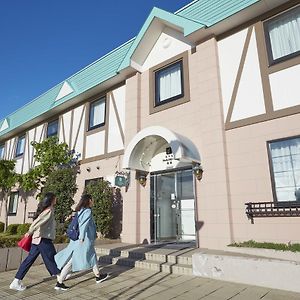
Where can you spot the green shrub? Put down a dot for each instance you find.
(9, 241)
(23, 228)
(12, 229)
(61, 239)
(1, 226)
(267, 245)
(102, 194)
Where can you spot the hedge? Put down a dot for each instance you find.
(7, 241)
(23, 228)
(1, 226)
(12, 229)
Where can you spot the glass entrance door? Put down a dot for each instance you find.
(172, 206)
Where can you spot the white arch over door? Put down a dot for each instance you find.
(146, 144)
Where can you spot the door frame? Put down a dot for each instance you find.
(152, 219)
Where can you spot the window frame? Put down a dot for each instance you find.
(271, 170)
(90, 111)
(268, 40)
(92, 180)
(2, 145)
(50, 122)
(12, 194)
(157, 101)
(184, 97)
(19, 137)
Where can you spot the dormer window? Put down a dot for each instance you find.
(169, 83)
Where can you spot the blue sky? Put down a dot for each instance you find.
(44, 42)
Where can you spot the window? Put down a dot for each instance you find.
(2, 149)
(52, 128)
(92, 181)
(13, 203)
(97, 113)
(285, 157)
(169, 83)
(20, 146)
(283, 36)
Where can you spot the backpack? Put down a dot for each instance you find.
(73, 228)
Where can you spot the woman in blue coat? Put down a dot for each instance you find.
(80, 254)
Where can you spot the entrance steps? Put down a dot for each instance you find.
(166, 258)
(256, 267)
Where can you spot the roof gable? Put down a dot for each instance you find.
(188, 26)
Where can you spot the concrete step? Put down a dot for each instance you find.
(165, 261)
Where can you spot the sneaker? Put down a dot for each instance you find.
(17, 285)
(101, 277)
(61, 286)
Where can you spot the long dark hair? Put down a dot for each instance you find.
(84, 202)
(45, 203)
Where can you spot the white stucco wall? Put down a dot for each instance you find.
(284, 87)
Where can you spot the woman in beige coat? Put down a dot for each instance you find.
(43, 233)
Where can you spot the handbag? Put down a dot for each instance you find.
(25, 243)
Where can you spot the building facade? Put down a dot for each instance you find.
(201, 109)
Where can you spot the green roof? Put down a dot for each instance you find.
(194, 16)
(213, 11)
(102, 69)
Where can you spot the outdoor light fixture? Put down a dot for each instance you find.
(198, 171)
(142, 178)
(88, 169)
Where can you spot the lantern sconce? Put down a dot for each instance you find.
(198, 171)
(142, 178)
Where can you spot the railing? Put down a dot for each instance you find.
(272, 209)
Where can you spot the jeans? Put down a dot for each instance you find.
(47, 250)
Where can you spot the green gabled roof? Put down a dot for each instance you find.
(213, 11)
(187, 25)
(194, 16)
(92, 75)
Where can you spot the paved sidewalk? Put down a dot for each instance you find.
(126, 283)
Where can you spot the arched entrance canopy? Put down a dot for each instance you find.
(145, 145)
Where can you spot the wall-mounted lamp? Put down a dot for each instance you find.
(198, 171)
(98, 168)
(88, 169)
(142, 178)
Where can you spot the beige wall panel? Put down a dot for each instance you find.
(201, 120)
(250, 179)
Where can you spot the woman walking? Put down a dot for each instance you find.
(80, 254)
(43, 233)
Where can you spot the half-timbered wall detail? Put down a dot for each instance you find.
(251, 88)
(116, 120)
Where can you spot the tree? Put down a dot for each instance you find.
(102, 194)
(8, 179)
(29, 183)
(50, 154)
(62, 182)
